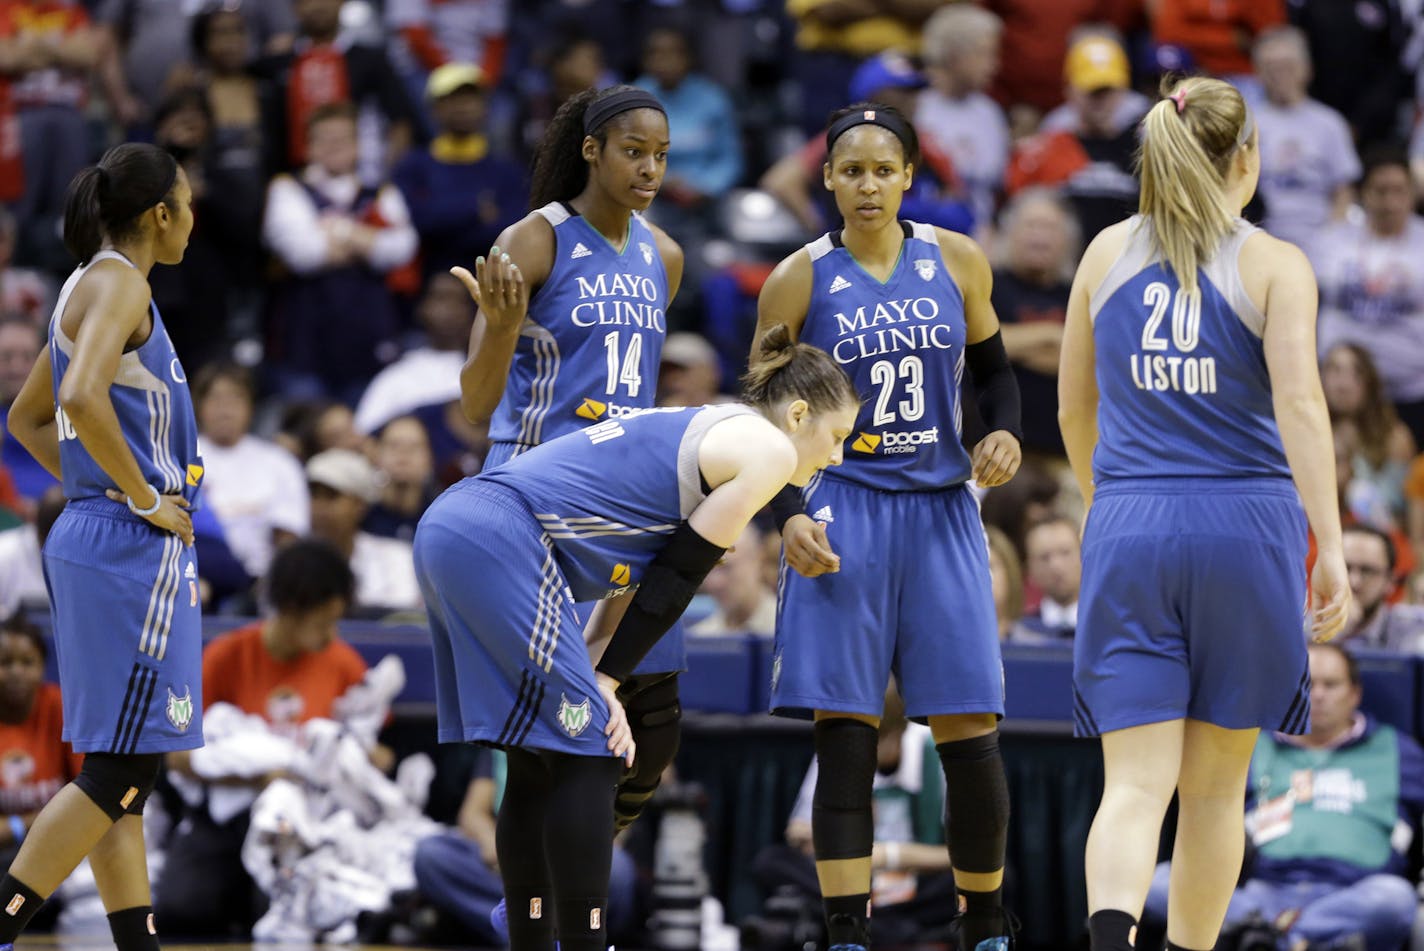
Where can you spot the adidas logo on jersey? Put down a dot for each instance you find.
(580, 251)
(839, 284)
(823, 515)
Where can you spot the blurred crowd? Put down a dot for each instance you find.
(344, 155)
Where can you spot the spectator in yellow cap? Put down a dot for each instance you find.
(460, 194)
(1091, 162)
(1096, 62)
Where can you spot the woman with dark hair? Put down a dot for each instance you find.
(503, 557)
(109, 414)
(572, 319)
(904, 307)
(1354, 393)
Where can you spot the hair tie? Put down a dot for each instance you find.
(1180, 98)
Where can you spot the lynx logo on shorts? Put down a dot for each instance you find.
(622, 574)
(574, 719)
(180, 709)
(892, 444)
(925, 268)
(536, 909)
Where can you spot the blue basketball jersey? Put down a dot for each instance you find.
(608, 497)
(151, 399)
(1182, 381)
(592, 339)
(902, 343)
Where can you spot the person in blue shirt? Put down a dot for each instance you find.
(572, 319)
(632, 512)
(107, 411)
(701, 120)
(1192, 412)
(889, 567)
(461, 195)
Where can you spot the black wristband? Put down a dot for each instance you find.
(667, 585)
(999, 402)
(786, 503)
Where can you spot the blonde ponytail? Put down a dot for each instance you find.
(1189, 140)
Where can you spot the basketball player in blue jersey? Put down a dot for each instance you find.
(1189, 400)
(891, 572)
(631, 512)
(573, 302)
(110, 416)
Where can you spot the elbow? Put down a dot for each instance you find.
(77, 401)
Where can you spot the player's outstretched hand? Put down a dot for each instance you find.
(619, 733)
(1329, 596)
(808, 550)
(996, 459)
(498, 288)
(172, 515)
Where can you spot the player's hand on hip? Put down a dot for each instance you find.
(1329, 596)
(172, 515)
(808, 550)
(619, 733)
(996, 459)
(498, 288)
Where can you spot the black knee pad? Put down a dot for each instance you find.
(976, 802)
(654, 716)
(842, 824)
(119, 784)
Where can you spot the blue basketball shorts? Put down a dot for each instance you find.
(1192, 605)
(511, 668)
(669, 654)
(912, 598)
(128, 632)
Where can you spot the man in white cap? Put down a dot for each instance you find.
(344, 485)
(690, 373)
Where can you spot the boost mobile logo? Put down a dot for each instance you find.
(890, 444)
(597, 409)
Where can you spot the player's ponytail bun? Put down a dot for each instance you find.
(785, 370)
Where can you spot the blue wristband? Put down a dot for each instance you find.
(17, 828)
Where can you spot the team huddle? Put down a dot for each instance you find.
(1191, 409)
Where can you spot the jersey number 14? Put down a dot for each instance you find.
(630, 371)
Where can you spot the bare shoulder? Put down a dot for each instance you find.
(1101, 252)
(1267, 262)
(749, 438)
(115, 283)
(786, 295)
(965, 259)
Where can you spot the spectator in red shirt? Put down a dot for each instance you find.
(287, 668)
(1218, 34)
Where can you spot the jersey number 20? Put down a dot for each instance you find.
(630, 373)
(1186, 318)
(883, 374)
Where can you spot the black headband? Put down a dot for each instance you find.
(886, 120)
(606, 107)
(126, 210)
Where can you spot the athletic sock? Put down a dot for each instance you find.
(983, 918)
(1112, 930)
(846, 920)
(133, 929)
(18, 904)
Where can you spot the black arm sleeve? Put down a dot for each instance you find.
(786, 503)
(669, 582)
(994, 380)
